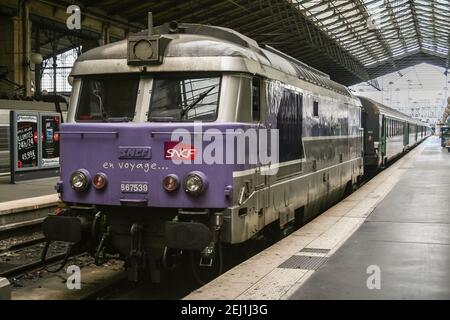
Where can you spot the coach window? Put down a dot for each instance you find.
(316, 108)
(289, 120)
(256, 99)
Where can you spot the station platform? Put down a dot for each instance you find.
(26, 189)
(388, 240)
(25, 203)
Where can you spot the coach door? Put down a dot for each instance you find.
(405, 134)
(383, 136)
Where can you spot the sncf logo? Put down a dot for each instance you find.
(135, 152)
(174, 150)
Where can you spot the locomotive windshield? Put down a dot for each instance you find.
(184, 98)
(108, 98)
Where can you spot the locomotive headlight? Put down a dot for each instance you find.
(99, 181)
(170, 183)
(143, 50)
(194, 183)
(79, 180)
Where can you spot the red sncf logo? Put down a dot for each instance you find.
(174, 150)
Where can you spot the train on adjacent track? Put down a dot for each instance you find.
(186, 137)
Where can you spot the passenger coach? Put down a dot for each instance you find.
(388, 133)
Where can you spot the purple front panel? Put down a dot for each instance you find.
(121, 151)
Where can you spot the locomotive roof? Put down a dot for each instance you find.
(377, 108)
(195, 40)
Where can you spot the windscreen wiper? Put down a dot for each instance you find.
(103, 114)
(194, 103)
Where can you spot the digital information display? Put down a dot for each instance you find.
(50, 140)
(27, 142)
(34, 144)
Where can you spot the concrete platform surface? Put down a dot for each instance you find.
(26, 189)
(406, 235)
(26, 203)
(406, 238)
(5, 289)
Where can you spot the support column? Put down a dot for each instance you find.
(15, 50)
(105, 37)
(38, 67)
(24, 16)
(9, 57)
(55, 40)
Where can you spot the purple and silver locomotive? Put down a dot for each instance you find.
(184, 137)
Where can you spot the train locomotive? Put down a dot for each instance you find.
(158, 150)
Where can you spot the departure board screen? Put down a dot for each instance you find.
(50, 140)
(27, 141)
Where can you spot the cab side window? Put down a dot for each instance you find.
(256, 99)
(316, 108)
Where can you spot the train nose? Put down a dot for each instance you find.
(138, 164)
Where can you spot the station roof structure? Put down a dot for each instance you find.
(351, 40)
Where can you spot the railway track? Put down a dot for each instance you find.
(24, 256)
(23, 244)
(23, 216)
(178, 283)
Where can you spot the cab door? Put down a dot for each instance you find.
(405, 134)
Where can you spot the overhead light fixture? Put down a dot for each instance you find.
(36, 59)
